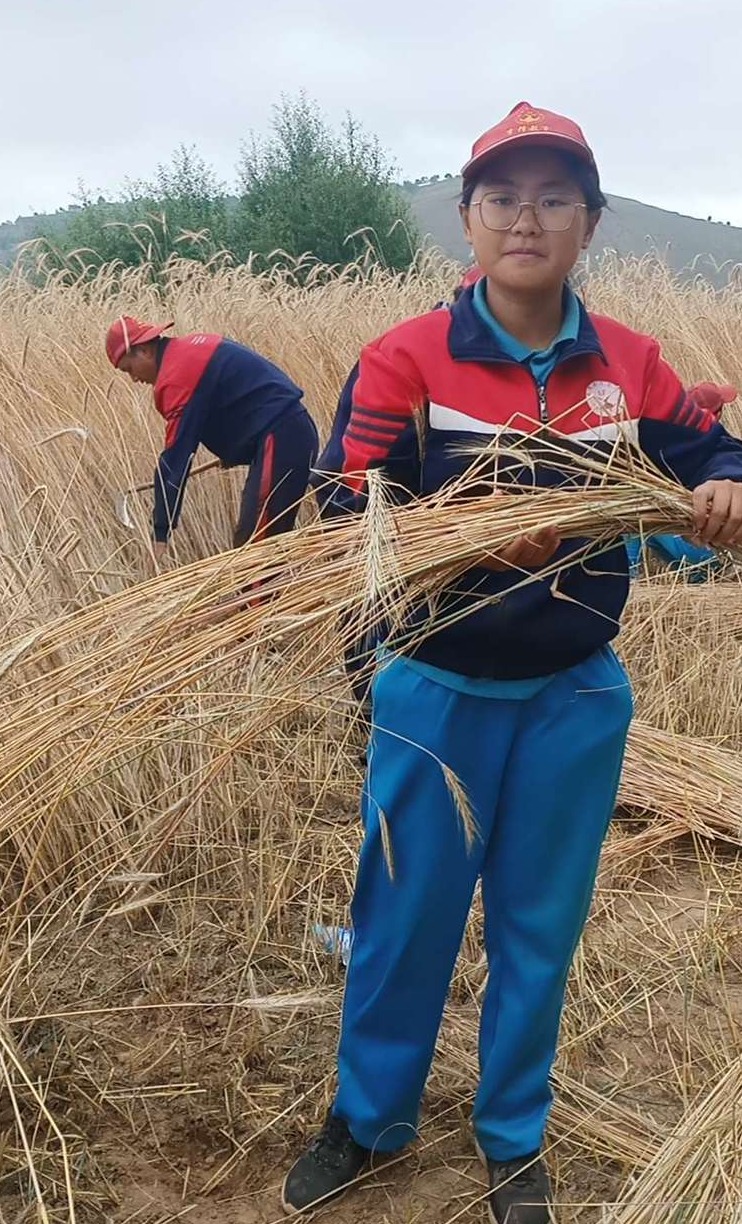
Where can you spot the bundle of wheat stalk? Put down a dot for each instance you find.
(303, 579)
(717, 600)
(90, 692)
(695, 786)
(696, 1174)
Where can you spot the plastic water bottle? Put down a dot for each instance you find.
(335, 940)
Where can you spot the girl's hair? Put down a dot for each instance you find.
(585, 176)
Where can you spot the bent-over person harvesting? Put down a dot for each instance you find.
(523, 699)
(222, 395)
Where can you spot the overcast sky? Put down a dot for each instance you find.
(97, 91)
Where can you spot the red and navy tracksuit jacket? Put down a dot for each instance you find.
(447, 368)
(402, 464)
(220, 394)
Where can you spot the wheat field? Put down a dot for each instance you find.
(168, 1016)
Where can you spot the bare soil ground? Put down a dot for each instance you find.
(183, 1098)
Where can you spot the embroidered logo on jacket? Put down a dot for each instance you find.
(606, 399)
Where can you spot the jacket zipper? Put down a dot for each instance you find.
(543, 411)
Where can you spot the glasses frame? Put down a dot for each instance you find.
(534, 206)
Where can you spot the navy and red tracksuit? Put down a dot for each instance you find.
(509, 685)
(226, 397)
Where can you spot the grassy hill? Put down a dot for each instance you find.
(628, 227)
(23, 229)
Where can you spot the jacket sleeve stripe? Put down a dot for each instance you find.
(389, 390)
(359, 431)
(376, 414)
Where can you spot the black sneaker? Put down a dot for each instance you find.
(520, 1192)
(330, 1165)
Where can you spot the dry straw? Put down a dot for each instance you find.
(181, 786)
(92, 689)
(696, 1174)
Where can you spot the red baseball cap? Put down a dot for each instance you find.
(126, 332)
(712, 396)
(527, 125)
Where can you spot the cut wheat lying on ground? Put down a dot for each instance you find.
(179, 803)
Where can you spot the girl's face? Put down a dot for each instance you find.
(527, 259)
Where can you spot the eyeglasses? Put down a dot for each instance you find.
(501, 211)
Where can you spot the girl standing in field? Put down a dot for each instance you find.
(228, 398)
(523, 700)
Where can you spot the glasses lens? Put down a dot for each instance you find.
(554, 213)
(499, 211)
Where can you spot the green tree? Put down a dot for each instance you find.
(190, 198)
(310, 190)
(182, 209)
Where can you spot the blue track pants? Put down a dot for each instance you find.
(541, 775)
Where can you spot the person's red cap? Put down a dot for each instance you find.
(527, 125)
(126, 332)
(471, 276)
(712, 396)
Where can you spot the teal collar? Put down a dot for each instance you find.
(514, 348)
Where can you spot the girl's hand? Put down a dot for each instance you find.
(526, 552)
(717, 512)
